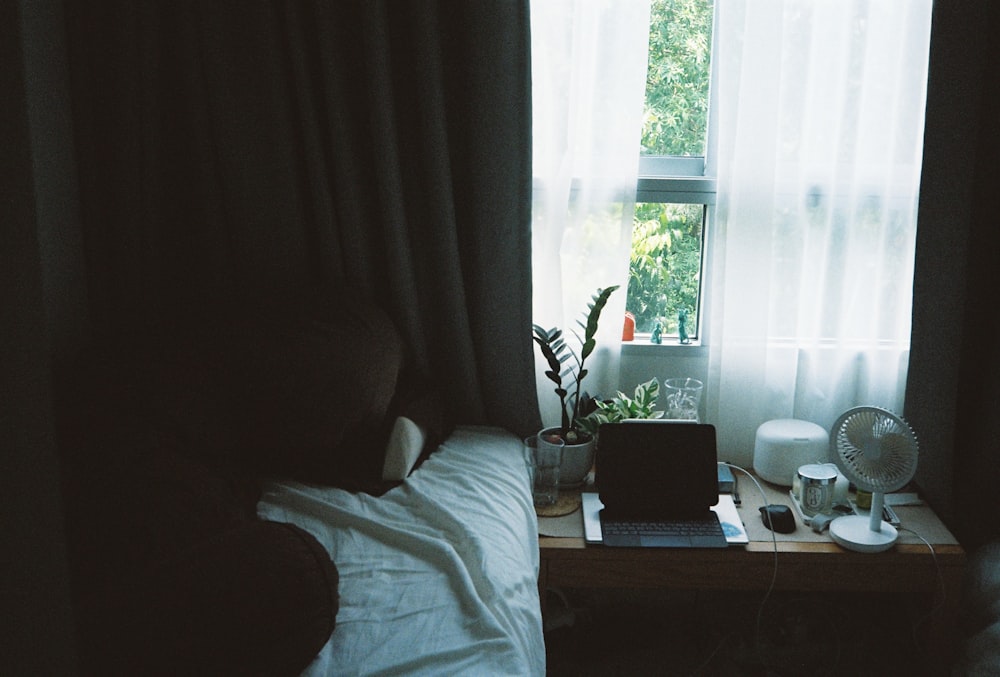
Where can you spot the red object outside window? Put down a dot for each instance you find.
(628, 331)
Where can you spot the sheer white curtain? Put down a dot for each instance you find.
(588, 85)
(821, 111)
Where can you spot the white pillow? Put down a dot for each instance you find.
(406, 441)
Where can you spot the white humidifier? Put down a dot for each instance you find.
(784, 444)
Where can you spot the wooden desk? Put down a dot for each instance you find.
(805, 562)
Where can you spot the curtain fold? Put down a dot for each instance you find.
(588, 71)
(952, 395)
(241, 157)
(821, 113)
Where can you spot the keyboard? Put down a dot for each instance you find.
(695, 527)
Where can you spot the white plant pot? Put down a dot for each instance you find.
(577, 460)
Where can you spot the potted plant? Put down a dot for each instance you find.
(567, 370)
(622, 407)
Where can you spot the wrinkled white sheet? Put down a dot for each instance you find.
(439, 575)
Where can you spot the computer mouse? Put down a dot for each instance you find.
(778, 518)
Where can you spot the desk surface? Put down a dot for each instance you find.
(801, 561)
(806, 560)
(918, 522)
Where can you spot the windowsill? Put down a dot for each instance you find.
(643, 346)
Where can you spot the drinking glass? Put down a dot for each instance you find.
(543, 458)
(682, 397)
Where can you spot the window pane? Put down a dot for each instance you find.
(665, 266)
(675, 120)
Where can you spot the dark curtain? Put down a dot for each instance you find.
(953, 385)
(242, 156)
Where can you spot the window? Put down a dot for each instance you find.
(676, 189)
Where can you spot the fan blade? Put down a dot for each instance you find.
(875, 449)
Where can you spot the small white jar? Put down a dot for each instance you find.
(814, 487)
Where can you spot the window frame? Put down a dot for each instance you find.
(687, 180)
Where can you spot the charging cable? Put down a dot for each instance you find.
(774, 573)
(942, 590)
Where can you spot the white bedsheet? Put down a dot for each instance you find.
(437, 576)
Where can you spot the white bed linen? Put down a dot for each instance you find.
(439, 575)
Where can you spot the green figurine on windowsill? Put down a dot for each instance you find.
(682, 333)
(657, 335)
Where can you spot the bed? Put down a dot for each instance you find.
(438, 576)
(284, 498)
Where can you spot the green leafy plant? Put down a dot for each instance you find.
(665, 266)
(566, 365)
(620, 407)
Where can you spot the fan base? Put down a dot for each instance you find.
(854, 533)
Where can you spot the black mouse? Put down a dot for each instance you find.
(778, 518)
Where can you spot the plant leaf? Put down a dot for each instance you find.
(550, 357)
(599, 300)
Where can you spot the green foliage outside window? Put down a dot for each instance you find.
(665, 267)
(675, 118)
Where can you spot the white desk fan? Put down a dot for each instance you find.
(877, 451)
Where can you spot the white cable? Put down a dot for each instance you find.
(774, 575)
(940, 577)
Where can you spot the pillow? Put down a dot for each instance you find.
(420, 424)
(314, 394)
(406, 443)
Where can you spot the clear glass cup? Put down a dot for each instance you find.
(543, 458)
(682, 397)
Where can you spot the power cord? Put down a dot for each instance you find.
(774, 578)
(774, 573)
(941, 588)
(770, 587)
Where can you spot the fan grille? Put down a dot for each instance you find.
(875, 449)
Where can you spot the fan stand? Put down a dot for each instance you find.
(865, 534)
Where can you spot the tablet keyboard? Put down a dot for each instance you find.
(695, 527)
